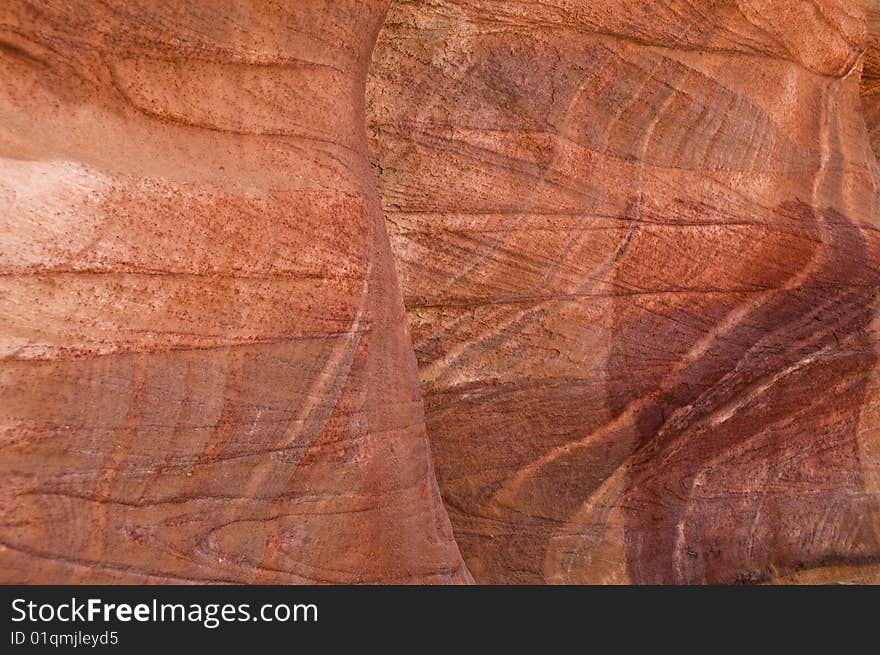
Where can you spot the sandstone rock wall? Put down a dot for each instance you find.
(638, 247)
(628, 266)
(205, 369)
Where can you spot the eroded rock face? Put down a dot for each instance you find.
(638, 244)
(205, 371)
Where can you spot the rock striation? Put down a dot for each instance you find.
(451, 291)
(205, 374)
(638, 245)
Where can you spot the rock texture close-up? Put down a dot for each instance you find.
(439, 291)
(206, 374)
(638, 246)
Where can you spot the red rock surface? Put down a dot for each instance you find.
(205, 369)
(634, 253)
(638, 244)
(870, 87)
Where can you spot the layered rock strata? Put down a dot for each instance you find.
(638, 244)
(205, 373)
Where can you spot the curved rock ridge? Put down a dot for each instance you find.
(638, 246)
(204, 364)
